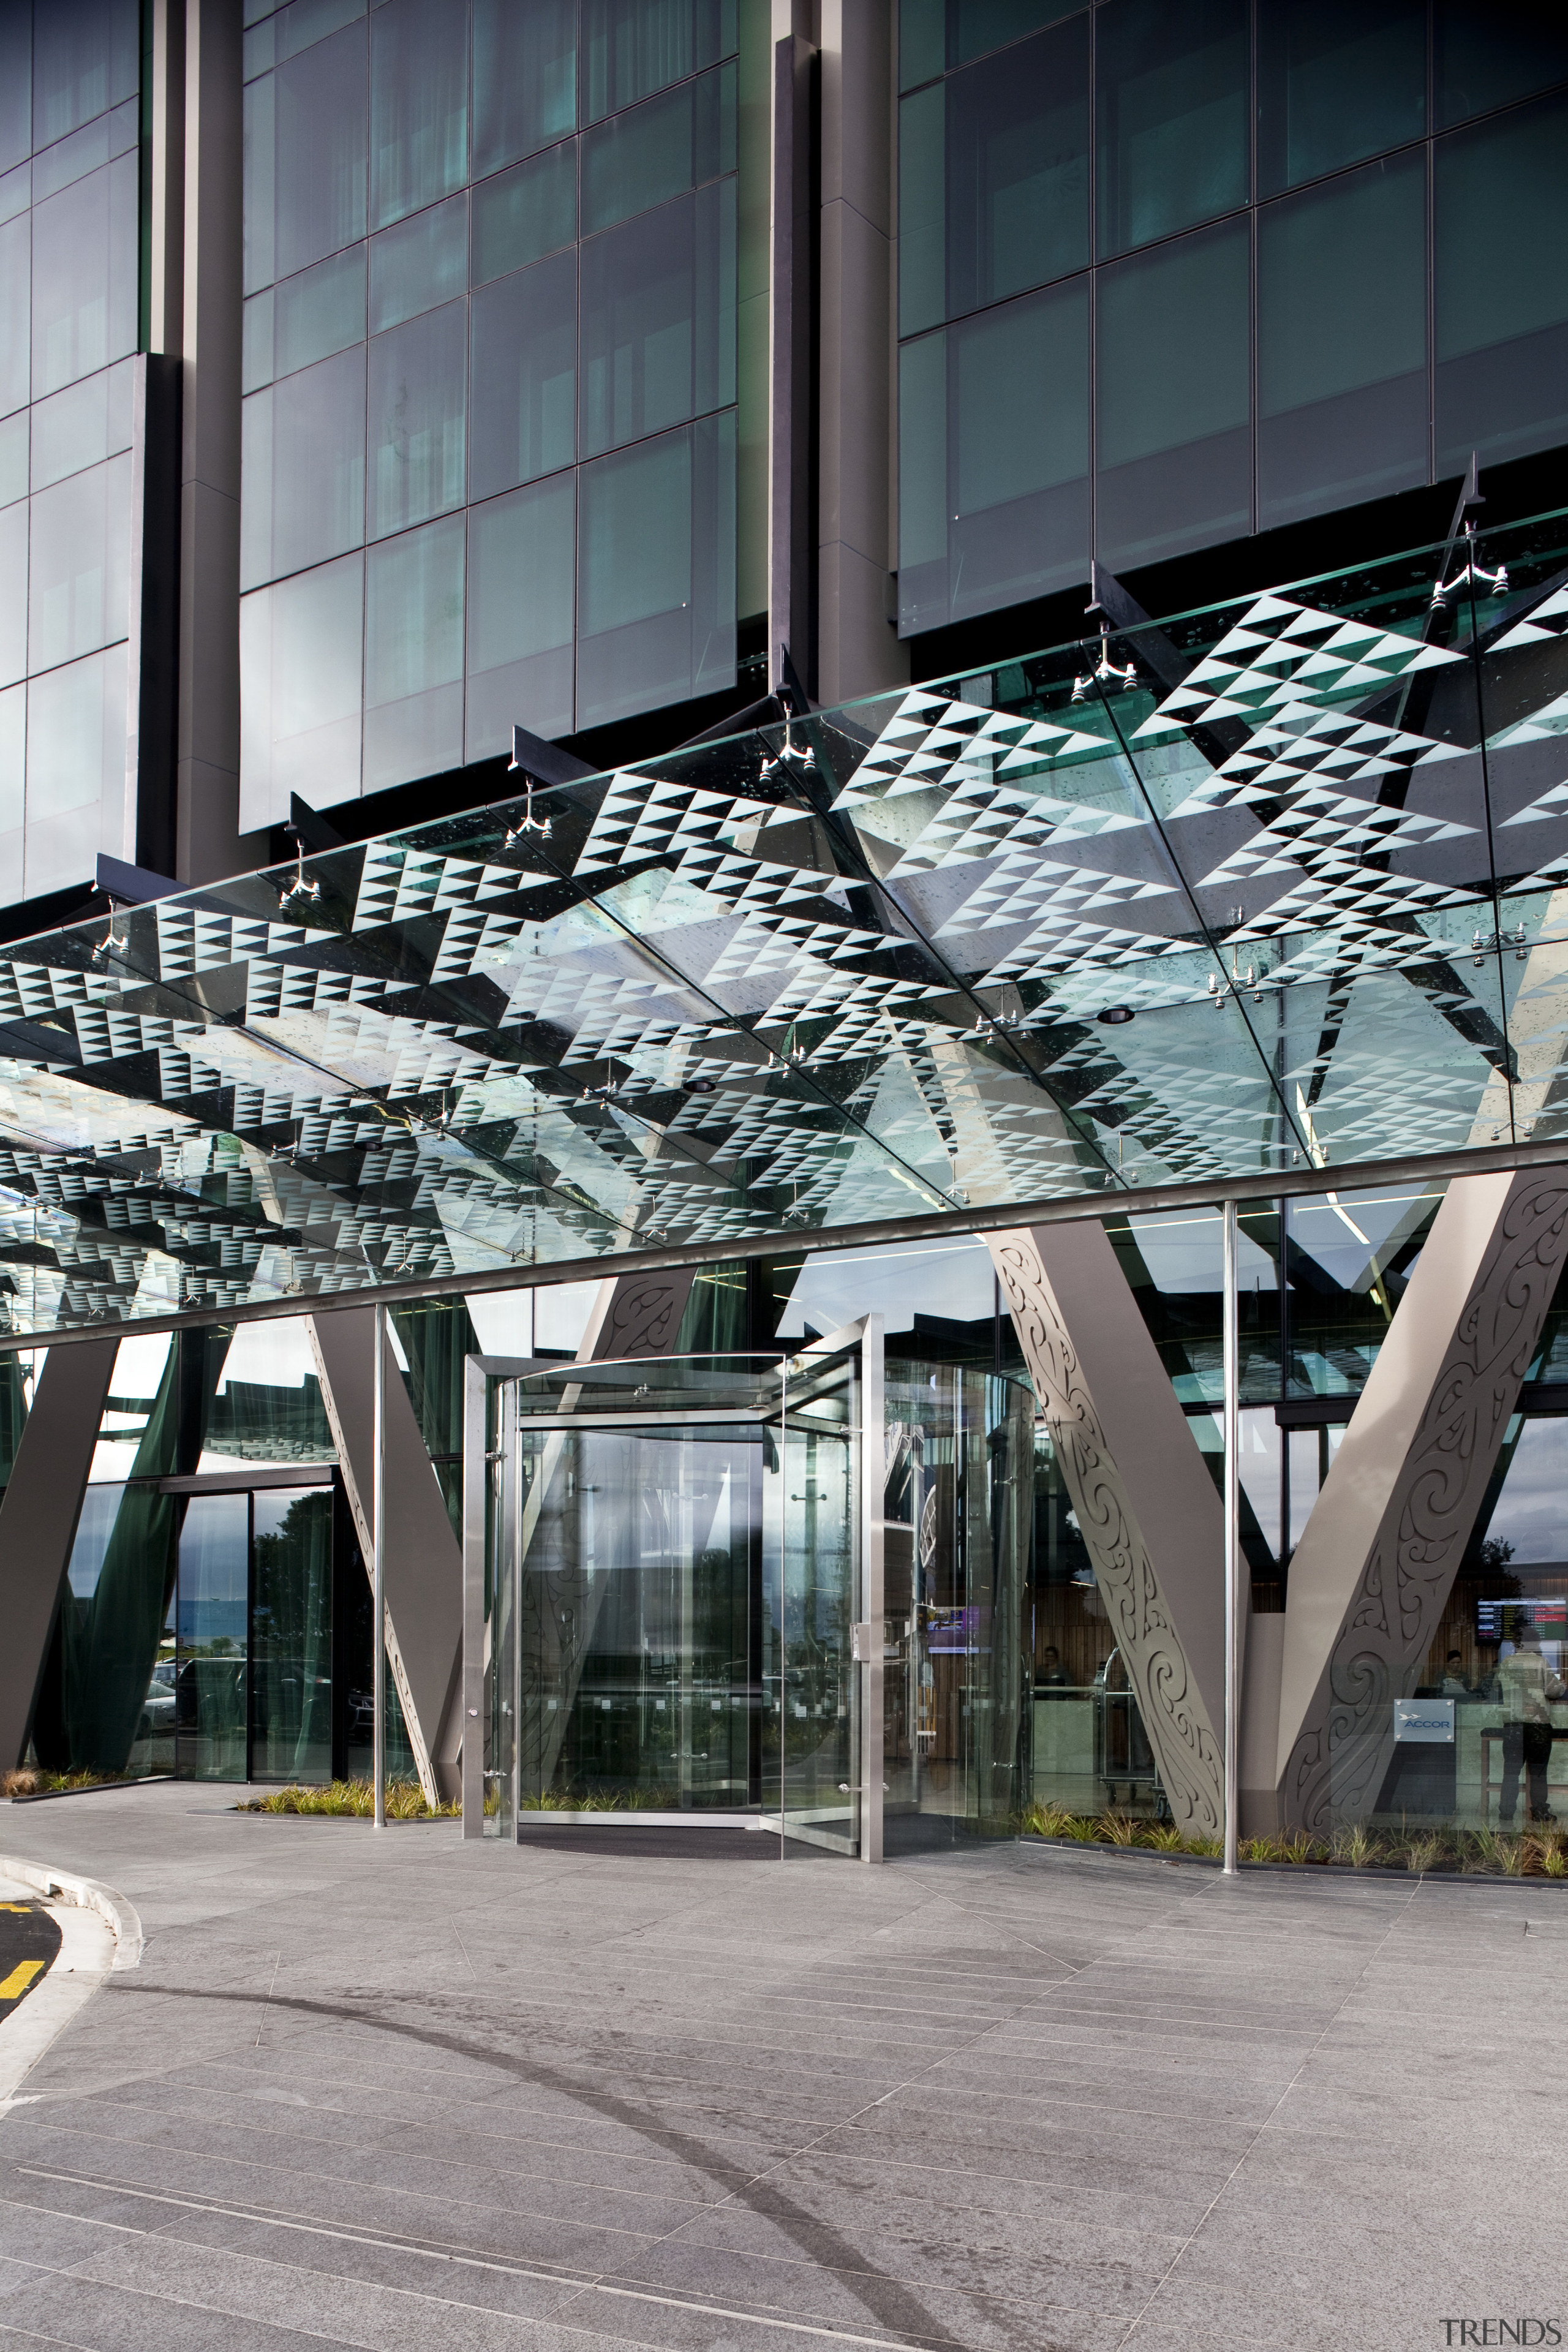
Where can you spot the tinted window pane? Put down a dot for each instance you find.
(414, 655)
(299, 685)
(14, 457)
(76, 750)
(422, 262)
(656, 572)
(1017, 169)
(1173, 398)
(15, 277)
(1336, 80)
(522, 579)
(524, 214)
(97, 142)
(658, 330)
(631, 47)
(12, 598)
(995, 413)
(308, 21)
(1490, 57)
(975, 26)
(82, 426)
(84, 276)
(525, 78)
(420, 105)
(15, 83)
(1341, 328)
(306, 131)
(306, 318)
(86, 56)
(416, 410)
(922, 40)
(291, 1638)
(302, 492)
(1172, 105)
(1502, 291)
(13, 770)
(922, 209)
(654, 151)
(80, 564)
(524, 376)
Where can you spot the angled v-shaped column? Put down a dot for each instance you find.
(38, 1514)
(1145, 1503)
(1370, 1577)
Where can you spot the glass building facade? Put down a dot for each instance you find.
(1170, 276)
(491, 416)
(70, 150)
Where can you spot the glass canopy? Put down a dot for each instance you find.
(1282, 883)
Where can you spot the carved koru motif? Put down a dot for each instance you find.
(1175, 1718)
(1339, 1764)
(645, 1315)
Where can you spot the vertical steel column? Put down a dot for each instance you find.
(378, 1564)
(1233, 1617)
(476, 1497)
(873, 1602)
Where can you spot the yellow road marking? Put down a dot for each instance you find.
(23, 1907)
(12, 1987)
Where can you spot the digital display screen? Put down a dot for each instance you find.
(1497, 1620)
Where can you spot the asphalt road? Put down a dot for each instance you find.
(29, 1940)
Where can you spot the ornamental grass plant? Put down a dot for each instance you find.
(1539, 1851)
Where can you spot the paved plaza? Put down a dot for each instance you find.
(395, 2091)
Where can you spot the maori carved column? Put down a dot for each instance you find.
(1146, 1504)
(1370, 1577)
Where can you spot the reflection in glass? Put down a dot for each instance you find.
(306, 140)
(524, 214)
(1173, 397)
(15, 279)
(12, 593)
(290, 1647)
(658, 319)
(414, 655)
(13, 770)
(522, 578)
(1342, 341)
(1336, 80)
(935, 34)
(525, 78)
(419, 106)
(305, 318)
(300, 690)
(85, 59)
(213, 1629)
(524, 375)
(1171, 108)
(79, 574)
(416, 446)
(631, 47)
(82, 426)
(1485, 58)
(1501, 316)
(656, 151)
(84, 276)
(422, 262)
(15, 88)
(656, 572)
(993, 459)
(303, 479)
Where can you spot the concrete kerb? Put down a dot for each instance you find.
(88, 1894)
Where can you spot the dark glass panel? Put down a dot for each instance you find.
(84, 276)
(15, 279)
(419, 264)
(524, 400)
(521, 576)
(15, 83)
(658, 319)
(1173, 398)
(1336, 80)
(85, 58)
(633, 47)
(524, 214)
(1341, 340)
(922, 210)
(418, 105)
(213, 1622)
(306, 21)
(414, 655)
(1171, 111)
(291, 1638)
(300, 665)
(1500, 275)
(1484, 57)
(658, 149)
(935, 33)
(302, 484)
(306, 136)
(415, 407)
(305, 318)
(1017, 169)
(525, 78)
(656, 572)
(993, 459)
(923, 41)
